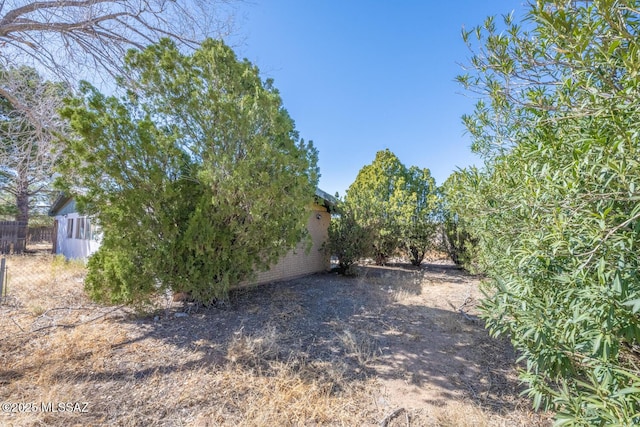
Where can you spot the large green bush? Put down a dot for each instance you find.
(457, 242)
(398, 205)
(556, 210)
(197, 176)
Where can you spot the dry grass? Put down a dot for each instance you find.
(292, 393)
(44, 280)
(360, 346)
(58, 347)
(252, 389)
(254, 350)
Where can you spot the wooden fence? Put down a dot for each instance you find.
(40, 235)
(10, 239)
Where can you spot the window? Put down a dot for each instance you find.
(70, 228)
(93, 231)
(80, 228)
(88, 229)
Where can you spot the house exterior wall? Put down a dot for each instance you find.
(298, 262)
(78, 242)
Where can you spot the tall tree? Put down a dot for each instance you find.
(396, 204)
(66, 40)
(420, 216)
(197, 177)
(556, 210)
(27, 131)
(375, 198)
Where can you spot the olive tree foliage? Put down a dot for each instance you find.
(197, 177)
(556, 210)
(27, 133)
(397, 205)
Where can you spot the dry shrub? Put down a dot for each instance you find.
(360, 346)
(254, 350)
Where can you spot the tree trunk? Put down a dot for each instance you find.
(22, 203)
(416, 255)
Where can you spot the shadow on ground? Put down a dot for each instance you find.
(398, 324)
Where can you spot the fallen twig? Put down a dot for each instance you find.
(466, 316)
(72, 325)
(460, 309)
(388, 418)
(64, 308)
(16, 323)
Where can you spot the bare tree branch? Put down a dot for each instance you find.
(72, 39)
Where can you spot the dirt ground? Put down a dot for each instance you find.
(396, 345)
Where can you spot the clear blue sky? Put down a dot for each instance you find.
(361, 76)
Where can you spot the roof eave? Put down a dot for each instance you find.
(328, 201)
(59, 203)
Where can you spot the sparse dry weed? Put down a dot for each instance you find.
(254, 350)
(360, 346)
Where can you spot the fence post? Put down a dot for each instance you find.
(3, 263)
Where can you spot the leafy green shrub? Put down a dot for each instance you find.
(398, 205)
(556, 210)
(420, 215)
(457, 242)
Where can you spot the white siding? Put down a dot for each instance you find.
(72, 243)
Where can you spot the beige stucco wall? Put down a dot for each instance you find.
(298, 262)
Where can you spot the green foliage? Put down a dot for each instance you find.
(374, 197)
(197, 176)
(8, 207)
(556, 210)
(348, 240)
(397, 205)
(420, 215)
(457, 242)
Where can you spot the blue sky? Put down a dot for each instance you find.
(360, 76)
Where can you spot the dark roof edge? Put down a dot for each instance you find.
(328, 201)
(59, 203)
